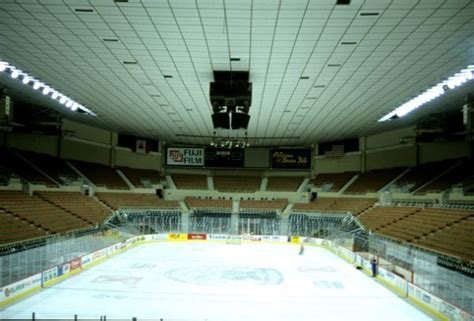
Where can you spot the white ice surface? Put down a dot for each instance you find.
(206, 281)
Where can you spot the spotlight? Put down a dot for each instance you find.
(55, 94)
(69, 103)
(74, 106)
(26, 80)
(63, 100)
(3, 66)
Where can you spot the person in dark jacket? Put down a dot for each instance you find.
(373, 263)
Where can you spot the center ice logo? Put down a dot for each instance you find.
(226, 275)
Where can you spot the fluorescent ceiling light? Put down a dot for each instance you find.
(15, 73)
(46, 89)
(37, 85)
(437, 90)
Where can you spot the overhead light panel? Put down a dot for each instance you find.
(15, 73)
(457, 80)
(37, 85)
(45, 89)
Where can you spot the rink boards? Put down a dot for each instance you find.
(423, 299)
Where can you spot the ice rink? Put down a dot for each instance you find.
(207, 281)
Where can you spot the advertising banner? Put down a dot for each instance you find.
(19, 287)
(217, 237)
(75, 264)
(63, 269)
(177, 236)
(182, 156)
(48, 275)
(194, 236)
(287, 158)
(295, 239)
(274, 238)
(253, 238)
(86, 259)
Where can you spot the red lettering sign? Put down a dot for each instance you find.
(192, 236)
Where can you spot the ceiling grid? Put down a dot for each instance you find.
(361, 61)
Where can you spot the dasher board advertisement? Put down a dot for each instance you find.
(184, 156)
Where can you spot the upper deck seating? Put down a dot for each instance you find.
(276, 183)
(16, 165)
(335, 180)
(372, 181)
(184, 181)
(101, 175)
(246, 184)
(135, 200)
(54, 167)
(458, 175)
(138, 176)
(420, 175)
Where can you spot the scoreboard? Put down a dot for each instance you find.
(224, 157)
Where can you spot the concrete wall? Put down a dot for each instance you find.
(390, 138)
(125, 157)
(34, 143)
(397, 156)
(72, 148)
(350, 162)
(86, 132)
(437, 151)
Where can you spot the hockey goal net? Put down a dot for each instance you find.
(233, 239)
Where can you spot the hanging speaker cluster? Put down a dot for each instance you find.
(231, 96)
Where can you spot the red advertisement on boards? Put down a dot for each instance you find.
(193, 236)
(75, 264)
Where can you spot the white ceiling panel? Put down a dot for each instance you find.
(401, 48)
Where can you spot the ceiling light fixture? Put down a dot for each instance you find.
(46, 90)
(437, 90)
(15, 73)
(37, 85)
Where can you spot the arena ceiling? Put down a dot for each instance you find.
(320, 71)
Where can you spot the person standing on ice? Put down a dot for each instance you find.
(301, 249)
(373, 263)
